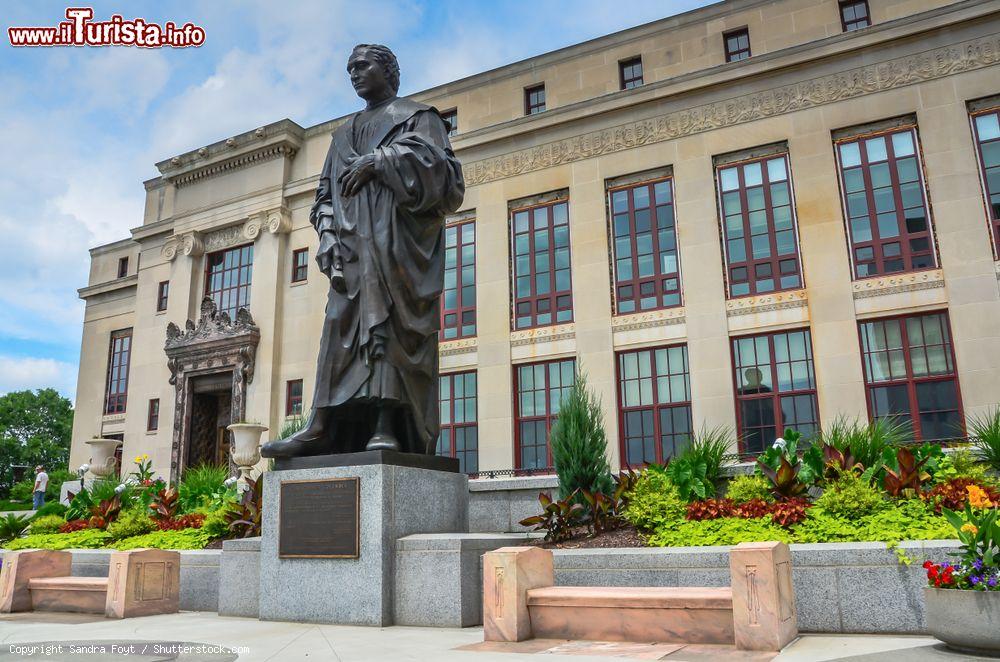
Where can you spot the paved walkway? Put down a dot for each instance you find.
(253, 640)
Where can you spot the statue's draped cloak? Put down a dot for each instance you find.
(391, 243)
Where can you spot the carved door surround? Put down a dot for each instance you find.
(216, 344)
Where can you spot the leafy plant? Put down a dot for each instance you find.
(753, 508)
(182, 539)
(79, 506)
(654, 502)
(291, 425)
(710, 509)
(84, 539)
(907, 476)
(789, 511)
(985, 429)
(557, 518)
(599, 512)
(748, 488)
(244, 518)
(46, 524)
(966, 465)
(189, 521)
(851, 497)
(690, 476)
(21, 491)
(954, 494)
(781, 465)
(143, 473)
(74, 525)
(723, 531)
(165, 504)
(216, 525)
(133, 522)
(866, 441)
(104, 490)
(199, 484)
(12, 526)
(579, 445)
(837, 462)
(105, 512)
(710, 446)
(50, 508)
(785, 481)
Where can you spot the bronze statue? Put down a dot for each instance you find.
(389, 179)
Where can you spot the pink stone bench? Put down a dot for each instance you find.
(757, 612)
(140, 582)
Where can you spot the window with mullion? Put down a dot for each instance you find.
(153, 415)
(162, 295)
(644, 236)
(227, 278)
(534, 100)
(654, 404)
(293, 397)
(775, 387)
(542, 289)
(885, 204)
(987, 130)
(300, 265)
(758, 220)
(459, 435)
(737, 45)
(630, 73)
(854, 15)
(910, 374)
(119, 354)
(539, 389)
(458, 299)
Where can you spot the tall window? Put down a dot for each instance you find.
(300, 265)
(654, 404)
(450, 118)
(534, 99)
(737, 44)
(162, 295)
(630, 73)
(542, 291)
(122, 267)
(775, 387)
(761, 247)
(854, 15)
(153, 415)
(540, 388)
(459, 431)
(458, 303)
(227, 278)
(293, 397)
(910, 374)
(987, 129)
(118, 361)
(883, 190)
(645, 247)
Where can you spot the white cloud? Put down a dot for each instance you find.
(20, 373)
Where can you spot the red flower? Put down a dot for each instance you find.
(928, 565)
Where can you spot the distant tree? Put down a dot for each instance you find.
(579, 444)
(35, 428)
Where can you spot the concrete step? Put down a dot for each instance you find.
(637, 614)
(75, 594)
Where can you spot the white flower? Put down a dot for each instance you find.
(780, 443)
(121, 488)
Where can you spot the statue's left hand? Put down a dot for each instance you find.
(359, 173)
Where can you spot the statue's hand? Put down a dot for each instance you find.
(359, 173)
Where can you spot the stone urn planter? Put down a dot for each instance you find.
(246, 447)
(964, 620)
(102, 456)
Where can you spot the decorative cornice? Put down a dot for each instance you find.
(911, 282)
(869, 79)
(766, 303)
(212, 326)
(543, 334)
(110, 286)
(648, 320)
(236, 163)
(453, 347)
(195, 243)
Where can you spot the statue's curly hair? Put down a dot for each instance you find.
(386, 59)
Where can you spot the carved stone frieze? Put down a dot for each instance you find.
(216, 240)
(911, 282)
(238, 163)
(453, 347)
(868, 79)
(766, 303)
(652, 319)
(543, 334)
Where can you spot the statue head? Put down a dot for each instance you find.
(374, 72)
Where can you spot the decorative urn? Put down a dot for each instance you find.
(246, 447)
(102, 456)
(965, 620)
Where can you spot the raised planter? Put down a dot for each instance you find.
(964, 620)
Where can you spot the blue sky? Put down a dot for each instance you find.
(82, 127)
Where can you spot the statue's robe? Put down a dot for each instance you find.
(391, 241)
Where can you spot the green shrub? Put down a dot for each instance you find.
(654, 502)
(50, 508)
(22, 491)
(13, 526)
(747, 488)
(85, 539)
(180, 539)
(105, 490)
(710, 445)
(46, 524)
(722, 531)
(216, 524)
(867, 441)
(132, 522)
(579, 445)
(200, 484)
(291, 425)
(908, 519)
(851, 497)
(56, 478)
(79, 506)
(986, 430)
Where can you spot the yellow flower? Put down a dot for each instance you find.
(145, 457)
(978, 498)
(138, 459)
(970, 528)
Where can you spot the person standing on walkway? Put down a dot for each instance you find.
(41, 482)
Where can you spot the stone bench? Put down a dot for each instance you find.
(520, 601)
(140, 582)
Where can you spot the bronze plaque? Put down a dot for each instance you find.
(320, 519)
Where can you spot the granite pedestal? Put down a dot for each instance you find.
(397, 499)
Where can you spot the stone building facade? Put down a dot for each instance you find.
(758, 214)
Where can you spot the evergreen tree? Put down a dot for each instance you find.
(579, 443)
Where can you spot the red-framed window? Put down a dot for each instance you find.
(543, 294)
(854, 15)
(119, 451)
(293, 397)
(760, 242)
(534, 99)
(300, 265)
(458, 299)
(654, 404)
(910, 374)
(775, 387)
(630, 73)
(162, 295)
(227, 278)
(153, 415)
(122, 267)
(119, 353)
(986, 126)
(450, 118)
(737, 44)
(459, 428)
(539, 389)
(885, 203)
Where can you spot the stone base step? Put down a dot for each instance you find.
(637, 614)
(75, 594)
